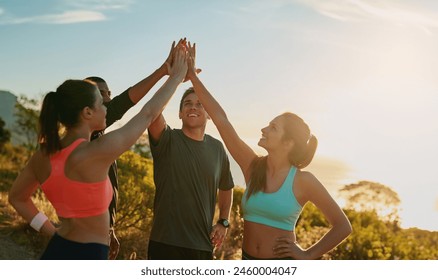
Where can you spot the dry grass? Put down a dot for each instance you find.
(15, 228)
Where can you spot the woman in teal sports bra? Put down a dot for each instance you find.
(277, 189)
(73, 172)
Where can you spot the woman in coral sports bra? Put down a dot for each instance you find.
(73, 172)
(277, 189)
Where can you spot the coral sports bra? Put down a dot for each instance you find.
(73, 199)
(279, 209)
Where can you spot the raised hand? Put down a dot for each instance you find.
(178, 68)
(192, 70)
(168, 62)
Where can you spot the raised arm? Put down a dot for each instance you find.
(140, 89)
(111, 145)
(159, 124)
(238, 149)
(157, 127)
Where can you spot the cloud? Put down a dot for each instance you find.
(415, 14)
(72, 11)
(72, 17)
(100, 5)
(384, 10)
(63, 18)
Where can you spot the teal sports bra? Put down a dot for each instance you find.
(279, 209)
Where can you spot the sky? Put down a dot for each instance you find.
(361, 73)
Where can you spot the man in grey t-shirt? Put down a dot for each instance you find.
(189, 169)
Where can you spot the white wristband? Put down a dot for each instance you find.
(38, 221)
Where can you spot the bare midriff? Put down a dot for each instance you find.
(93, 229)
(259, 240)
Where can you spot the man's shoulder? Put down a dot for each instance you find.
(169, 130)
(120, 99)
(208, 137)
(213, 141)
(173, 131)
(169, 135)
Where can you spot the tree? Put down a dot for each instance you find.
(136, 196)
(27, 115)
(5, 135)
(141, 147)
(371, 196)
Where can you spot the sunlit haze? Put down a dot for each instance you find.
(361, 73)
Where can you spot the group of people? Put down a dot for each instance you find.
(77, 172)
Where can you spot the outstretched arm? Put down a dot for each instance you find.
(238, 149)
(159, 124)
(111, 145)
(119, 105)
(140, 89)
(157, 127)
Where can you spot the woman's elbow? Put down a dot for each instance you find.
(343, 228)
(12, 199)
(15, 198)
(347, 229)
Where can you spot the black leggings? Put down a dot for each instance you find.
(161, 251)
(246, 256)
(60, 248)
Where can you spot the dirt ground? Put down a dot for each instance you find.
(9, 250)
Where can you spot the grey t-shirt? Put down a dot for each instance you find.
(187, 175)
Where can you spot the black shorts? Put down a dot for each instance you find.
(60, 248)
(161, 251)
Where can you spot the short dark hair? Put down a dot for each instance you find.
(95, 79)
(187, 92)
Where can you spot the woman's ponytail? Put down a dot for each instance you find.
(48, 137)
(305, 143)
(310, 149)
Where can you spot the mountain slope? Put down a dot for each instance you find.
(7, 108)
